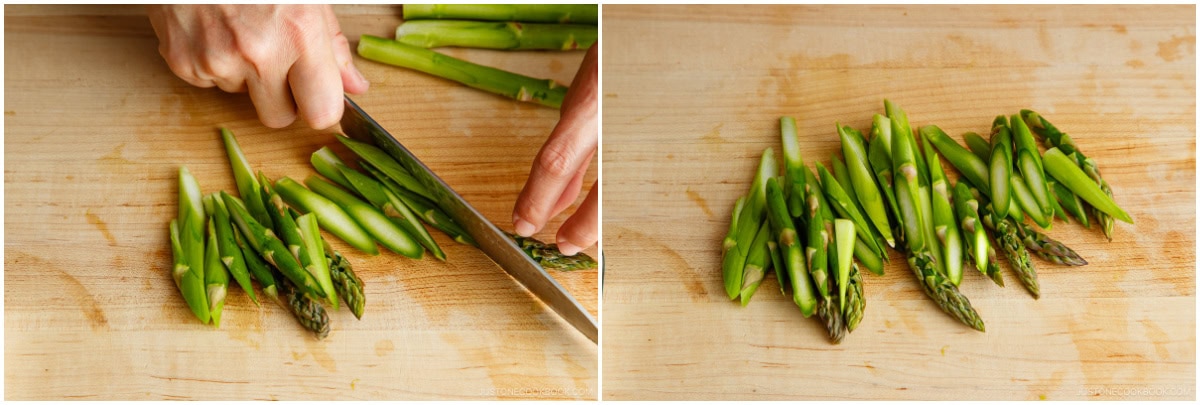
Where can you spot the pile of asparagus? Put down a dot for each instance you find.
(262, 236)
(561, 27)
(891, 190)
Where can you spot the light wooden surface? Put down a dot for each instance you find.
(692, 95)
(96, 127)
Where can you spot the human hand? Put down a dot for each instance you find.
(292, 59)
(557, 173)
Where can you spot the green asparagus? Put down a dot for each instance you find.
(216, 277)
(756, 264)
(864, 184)
(1014, 249)
(331, 216)
(1074, 179)
(270, 247)
(548, 255)
(382, 229)
(345, 281)
(856, 302)
(791, 252)
(191, 222)
(496, 35)
(545, 13)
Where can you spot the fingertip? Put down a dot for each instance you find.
(568, 249)
(523, 227)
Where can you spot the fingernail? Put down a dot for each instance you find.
(568, 249)
(523, 228)
(361, 78)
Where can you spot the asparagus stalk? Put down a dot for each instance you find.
(902, 131)
(944, 223)
(831, 317)
(327, 164)
(793, 163)
(425, 209)
(385, 164)
(944, 293)
(968, 163)
(314, 248)
(548, 255)
(879, 156)
(978, 246)
(820, 229)
(180, 259)
(331, 217)
(496, 35)
(216, 278)
(844, 237)
(544, 13)
(842, 175)
(1047, 248)
(791, 255)
(376, 223)
(1029, 165)
(231, 254)
(747, 224)
(390, 205)
(247, 185)
(347, 284)
(1014, 249)
(756, 264)
(1074, 179)
(864, 184)
(844, 205)
(257, 267)
(1026, 200)
(308, 312)
(523, 88)
(868, 257)
(777, 263)
(856, 302)
(1055, 138)
(979, 146)
(270, 247)
(191, 240)
(1071, 203)
(999, 171)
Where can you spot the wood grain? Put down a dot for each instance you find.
(693, 94)
(96, 128)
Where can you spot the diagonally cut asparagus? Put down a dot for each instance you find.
(756, 263)
(844, 237)
(1055, 138)
(1000, 168)
(191, 240)
(864, 183)
(385, 164)
(382, 229)
(345, 281)
(982, 254)
(270, 247)
(390, 205)
(429, 212)
(308, 312)
(979, 146)
(1074, 179)
(1029, 164)
(748, 220)
(216, 277)
(243, 175)
(331, 216)
(792, 259)
(856, 302)
(1014, 249)
(231, 255)
(548, 255)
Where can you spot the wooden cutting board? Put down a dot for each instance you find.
(96, 127)
(692, 96)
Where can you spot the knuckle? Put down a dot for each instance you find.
(556, 161)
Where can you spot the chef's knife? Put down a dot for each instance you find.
(492, 241)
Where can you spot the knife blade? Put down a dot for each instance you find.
(356, 123)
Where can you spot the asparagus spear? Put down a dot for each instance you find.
(314, 248)
(856, 302)
(257, 267)
(842, 175)
(1029, 164)
(307, 311)
(548, 255)
(999, 171)
(1070, 202)
(331, 217)
(792, 257)
(879, 156)
(747, 224)
(979, 146)
(231, 255)
(820, 228)
(864, 184)
(920, 254)
(1073, 178)
(844, 237)
(1048, 248)
(968, 163)
(831, 317)
(216, 278)
(270, 247)
(777, 263)
(1025, 199)
(902, 131)
(975, 237)
(944, 223)
(496, 35)
(545, 13)
(347, 284)
(425, 209)
(793, 166)
(376, 223)
(191, 240)
(384, 164)
(1058, 139)
(1014, 249)
(845, 207)
(523, 88)
(756, 264)
(390, 205)
(868, 257)
(247, 185)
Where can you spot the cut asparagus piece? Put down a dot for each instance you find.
(308, 312)
(756, 264)
(1047, 248)
(943, 292)
(216, 278)
(777, 263)
(1055, 138)
(968, 163)
(548, 255)
(945, 227)
(347, 284)
(844, 205)
(844, 237)
(191, 239)
(1014, 249)
(1029, 163)
(820, 235)
(1073, 178)
(1026, 201)
(1000, 168)
(382, 229)
(842, 175)
(733, 264)
(496, 35)
(257, 267)
(231, 255)
(879, 155)
(869, 259)
(908, 193)
(856, 302)
(522, 88)
(791, 253)
(831, 317)
(243, 175)
(967, 208)
(425, 209)
(314, 248)
(793, 163)
(544, 13)
(331, 217)
(391, 206)
(385, 164)
(1070, 202)
(270, 247)
(864, 184)
(903, 131)
(979, 146)
(327, 164)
